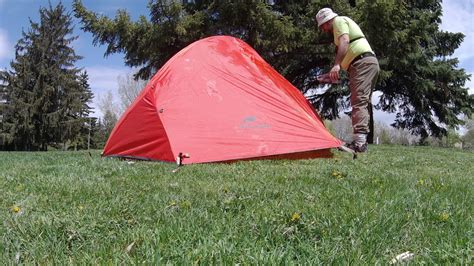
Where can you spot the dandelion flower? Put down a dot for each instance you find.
(295, 217)
(444, 216)
(185, 204)
(16, 209)
(337, 174)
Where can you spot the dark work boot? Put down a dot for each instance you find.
(359, 148)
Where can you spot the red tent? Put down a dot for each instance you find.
(218, 100)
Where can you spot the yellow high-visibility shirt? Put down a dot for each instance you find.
(344, 25)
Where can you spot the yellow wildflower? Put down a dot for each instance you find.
(337, 174)
(295, 217)
(444, 216)
(185, 204)
(421, 182)
(16, 209)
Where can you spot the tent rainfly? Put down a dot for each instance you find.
(218, 100)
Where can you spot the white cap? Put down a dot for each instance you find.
(324, 15)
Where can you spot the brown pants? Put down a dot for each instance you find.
(362, 78)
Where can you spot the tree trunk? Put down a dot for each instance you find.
(370, 136)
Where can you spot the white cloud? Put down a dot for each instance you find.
(381, 116)
(458, 17)
(6, 49)
(103, 79)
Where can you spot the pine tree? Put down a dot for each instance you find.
(47, 97)
(18, 126)
(98, 137)
(3, 109)
(102, 129)
(420, 80)
(94, 140)
(75, 113)
(84, 109)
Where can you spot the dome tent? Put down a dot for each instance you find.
(218, 100)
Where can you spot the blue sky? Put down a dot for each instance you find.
(458, 16)
(103, 71)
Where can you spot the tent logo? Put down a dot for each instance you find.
(252, 122)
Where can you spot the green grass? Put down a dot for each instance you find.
(68, 207)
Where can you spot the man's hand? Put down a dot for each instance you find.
(334, 73)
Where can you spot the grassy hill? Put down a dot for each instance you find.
(69, 207)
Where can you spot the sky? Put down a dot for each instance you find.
(458, 16)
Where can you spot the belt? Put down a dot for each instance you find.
(362, 55)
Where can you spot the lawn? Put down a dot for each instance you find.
(77, 208)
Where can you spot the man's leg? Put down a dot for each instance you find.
(363, 76)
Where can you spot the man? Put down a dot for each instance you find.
(354, 55)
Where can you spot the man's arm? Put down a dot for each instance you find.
(341, 53)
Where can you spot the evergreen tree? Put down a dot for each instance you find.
(94, 139)
(18, 127)
(98, 137)
(104, 128)
(75, 112)
(46, 95)
(86, 96)
(3, 108)
(418, 80)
